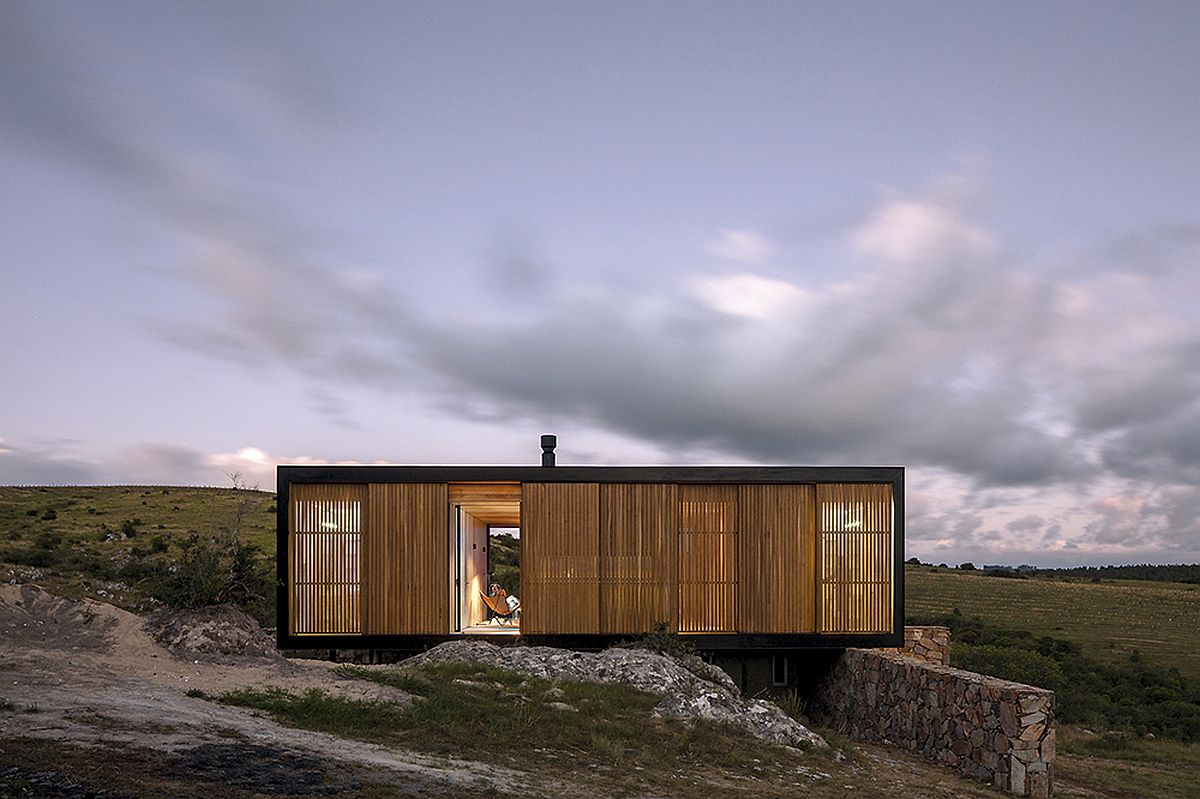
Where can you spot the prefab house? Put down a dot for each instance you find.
(734, 558)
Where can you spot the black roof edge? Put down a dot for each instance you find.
(592, 474)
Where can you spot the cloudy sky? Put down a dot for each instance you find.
(961, 237)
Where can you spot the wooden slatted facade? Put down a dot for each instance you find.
(708, 569)
(324, 546)
(777, 558)
(856, 558)
(560, 558)
(639, 531)
(744, 560)
(406, 558)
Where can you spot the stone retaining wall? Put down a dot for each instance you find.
(931, 644)
(990, 729)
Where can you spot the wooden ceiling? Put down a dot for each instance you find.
(491, 503)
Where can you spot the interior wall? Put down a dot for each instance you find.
(475, 567)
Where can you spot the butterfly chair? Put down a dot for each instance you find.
(497, 605)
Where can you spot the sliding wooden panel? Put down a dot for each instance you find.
(707, 559)
(776, 559)
(638, 540)
(325, 524)
(560, 558)
(856, 558)
(406, 560)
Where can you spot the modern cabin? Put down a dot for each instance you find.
(735, 558)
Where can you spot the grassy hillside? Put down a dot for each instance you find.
(111, 542)
(1109, 619)
(108, 542)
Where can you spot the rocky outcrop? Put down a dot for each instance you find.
(987, 728)
(690, 688)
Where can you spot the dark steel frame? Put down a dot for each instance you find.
(286, 475)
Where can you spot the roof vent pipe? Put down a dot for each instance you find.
(549, 442)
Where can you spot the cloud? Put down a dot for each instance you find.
(148, 463)
(748, 295)
(936, 349)
(32, 466)
(741, 246)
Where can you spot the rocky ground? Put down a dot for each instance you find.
(690, 688)
(87, 673)
(94, 702)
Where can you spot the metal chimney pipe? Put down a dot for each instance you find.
(549, 442)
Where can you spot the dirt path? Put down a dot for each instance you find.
(86, 673)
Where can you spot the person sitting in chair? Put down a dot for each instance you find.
(499, 604)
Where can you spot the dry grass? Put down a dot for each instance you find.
(1109, 619)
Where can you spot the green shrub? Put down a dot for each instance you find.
(794, 704)
(664, 642)
(1131, 694)
(212, 571)
(50, 515)
(40, 558)
(1018, 665)
(48, 540)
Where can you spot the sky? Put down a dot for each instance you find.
(959, 237)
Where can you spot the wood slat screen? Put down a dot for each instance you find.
(638, 538)
(856, 558)
(560, 558)
(406, 560)
(325, 525)
(777, 558)
(707, 559)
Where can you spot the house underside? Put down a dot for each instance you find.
(735, 558)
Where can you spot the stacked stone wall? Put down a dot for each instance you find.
(931, 644)
(986, 728)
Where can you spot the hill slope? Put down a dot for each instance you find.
(104, 542)
(1109, 619)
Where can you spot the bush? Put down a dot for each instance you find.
(50, 515)
(211, 571)
(664, 642)
(129, 527)
(1132, 694)
(1018, 665)
(48, 540)
(41, 558)
(216, 567)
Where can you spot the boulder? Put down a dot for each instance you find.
(690, 688)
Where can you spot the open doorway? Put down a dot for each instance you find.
(486, 535)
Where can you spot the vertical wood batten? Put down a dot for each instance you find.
(560, 558)
(856, 545)
(324, 574)
(638, 534)
(407, 559)
(708, 551)
(777, 578)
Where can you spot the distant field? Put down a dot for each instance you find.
(1109, 618)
